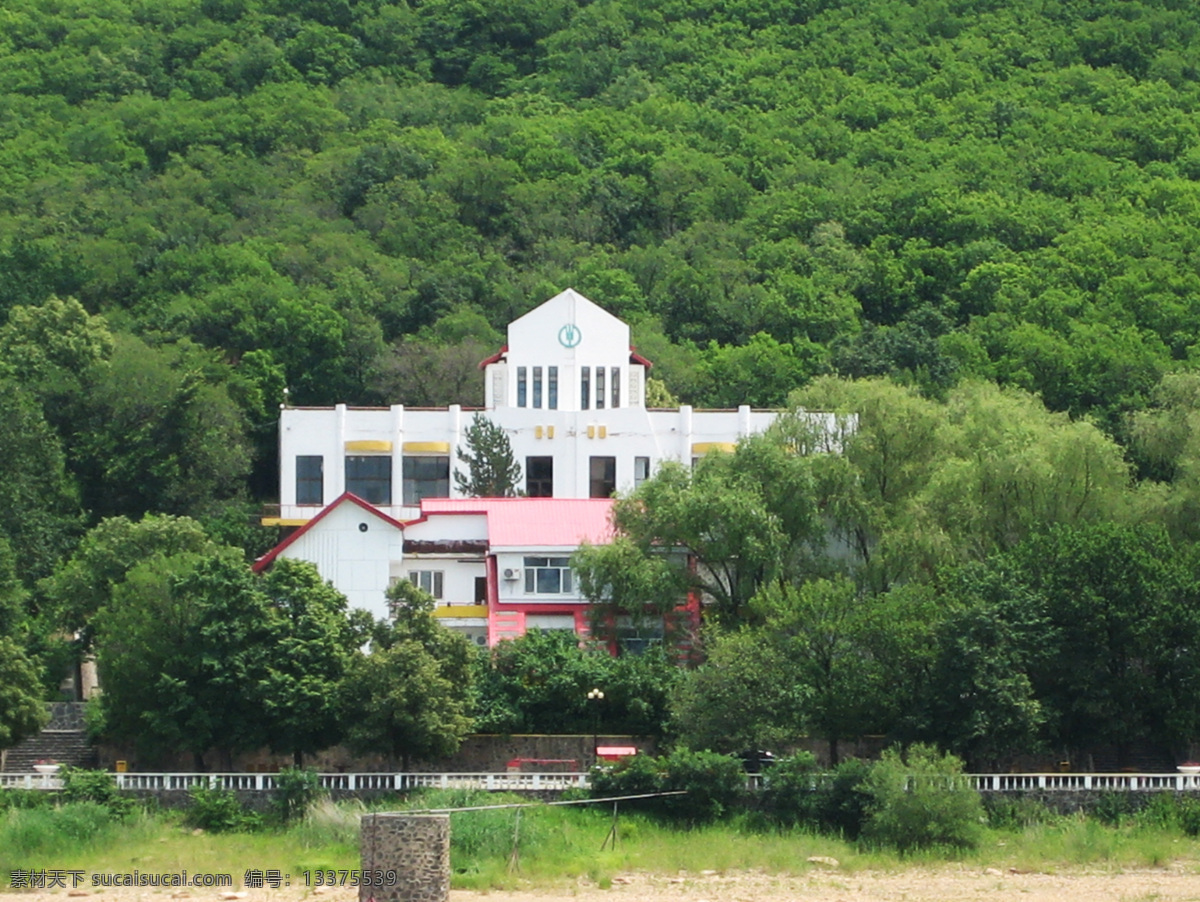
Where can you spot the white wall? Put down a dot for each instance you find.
(355, 561)
(572, 438)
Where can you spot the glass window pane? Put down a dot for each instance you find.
(552, 388)
(537, 386)
(520, 386)
(616, 386)
(370, 477)
(539, 477)
(426, 477)
(585, 386)
(599, 387)
(549, 581)
(310, 479)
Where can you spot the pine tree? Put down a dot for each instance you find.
(493, 471)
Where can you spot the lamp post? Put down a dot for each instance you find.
(595, 696)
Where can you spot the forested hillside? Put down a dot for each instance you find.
(210, 206)
(207, 203)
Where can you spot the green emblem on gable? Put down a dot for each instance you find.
(569, 335)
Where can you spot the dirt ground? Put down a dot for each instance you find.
(1171, 883)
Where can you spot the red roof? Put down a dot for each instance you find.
(635, 357)
(534, 522)
(267, 559)
(495, 358)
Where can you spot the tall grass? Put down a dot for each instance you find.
(553, 845)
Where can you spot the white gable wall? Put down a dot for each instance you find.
(354, 560)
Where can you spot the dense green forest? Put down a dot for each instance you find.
(256, 195)
(210, 206)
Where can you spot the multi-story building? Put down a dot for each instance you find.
(568, 391)
(372, 494)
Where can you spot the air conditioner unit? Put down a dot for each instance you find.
(512, 573)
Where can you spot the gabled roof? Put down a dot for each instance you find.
(345, 498)
(495, 358)
(533, 522)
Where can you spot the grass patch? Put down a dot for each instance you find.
(555, 845)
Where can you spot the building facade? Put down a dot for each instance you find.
(372, 496)
(568, 392)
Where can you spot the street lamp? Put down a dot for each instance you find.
(596, 696)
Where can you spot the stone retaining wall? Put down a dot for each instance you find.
(413, 847)
(66, 716)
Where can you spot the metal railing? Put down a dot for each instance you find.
(525, 782)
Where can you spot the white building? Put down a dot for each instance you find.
(496, 566)
(567, 390)
(372, 494)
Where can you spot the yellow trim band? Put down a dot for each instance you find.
(705, 447)
(426, 447)
(461, 610)
(370, 446)
(282, 521)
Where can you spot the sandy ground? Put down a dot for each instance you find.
(827, 884)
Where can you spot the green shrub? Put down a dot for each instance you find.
(1189, 815)
(1113, 808)
(789, 791)
(296, 791)
(1016, 813)
(842, 802)
(921, 800)
(714, 784)
(1161, 812)
(82, 785)
(218, 811)
(634, 775)
(24, 798)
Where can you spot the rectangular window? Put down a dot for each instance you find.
(429, 580)
(537, 386)
(616, 387)
(426, 477)
(520, 386)
(641, 470)
(585, 387)
(548, 576)
(599, 387)
(603, 477)
(539, 477)
(552, 387)
(369, 477)
(481, 590)
(310, 479)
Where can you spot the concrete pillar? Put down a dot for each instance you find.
(413, 847)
